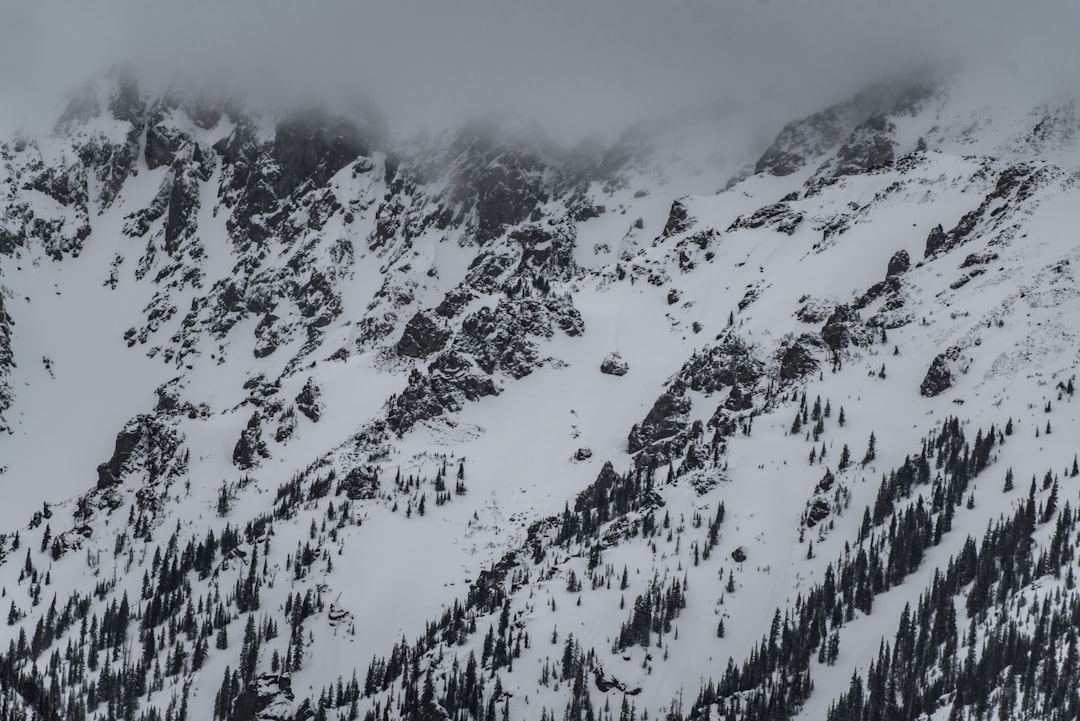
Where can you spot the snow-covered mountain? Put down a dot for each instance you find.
(304, 420)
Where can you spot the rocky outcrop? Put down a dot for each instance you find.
(269, 698)
(614, 365)
(504, 338)
(423, 336)
(802, 140)
(308, 401)
(729, 362)
(7, 361)
(547, 251)
(1015, 185)
(679, 219)
(935, 241)
(145, 446)
(796, 361)
(869, 147)
(779, 216)
(899, 263)
(250, 449)
(665, 420)
(451, 379)
(938, 378)
(844, 328)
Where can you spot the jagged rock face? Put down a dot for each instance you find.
(797, 362)
(861, 124)
(739, 400)
(148, 446)
(270, 697)
(997, 212)
(452, 378)
(251, 447)
(112, 156)
(7, 361)
(778, 215)
(800, 140)
(899, 263)
(308, 401)
(843, 328)
(423, 335)
(935, 241)
(679, 220)
(547, 251)
(938, 378)
(503, 338)
(502, 182)
(312, 147)
(869, 147)
(665, 420)
(306, 150)
(730, 362)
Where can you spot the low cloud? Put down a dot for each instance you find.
(576, 68)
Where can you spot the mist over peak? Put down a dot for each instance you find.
(576, 69)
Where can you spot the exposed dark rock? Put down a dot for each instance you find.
(935, 241)
(314, 146)
(257, 700)
(7, 361)
(974, 259)
(164, 139)
(423, 335)
(818, 512)
(899, 263)
(454, 301)
(614, 365)
(145, 445)
(250, 448)
(739, 555)
(582, 454)
(183, 210)
(266, 339)
(506, 195)
(869, 147)
(504, 338)
(803, 140)
(673, 296)
(666, 419)
(727, 363)
(308, 401)
(547, 250)
(1015, 184)
(738, 400)
(452, 379)
(777, 215)
(843, 328)
(138, 223)
(679, 219)
(938, 378)
(797, 362)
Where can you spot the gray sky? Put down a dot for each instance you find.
(576, 67)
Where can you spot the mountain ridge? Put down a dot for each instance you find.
(295, 304)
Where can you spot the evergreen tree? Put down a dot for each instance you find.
(871, 450)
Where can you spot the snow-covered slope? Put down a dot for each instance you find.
(307, 421)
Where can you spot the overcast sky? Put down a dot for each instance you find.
(575, 66)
